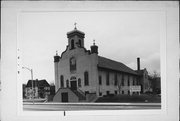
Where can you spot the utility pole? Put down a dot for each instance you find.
(31, 70)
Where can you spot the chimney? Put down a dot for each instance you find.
(138, 63)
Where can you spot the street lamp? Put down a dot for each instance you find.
(31, 70)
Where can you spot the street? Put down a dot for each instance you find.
(88, 106)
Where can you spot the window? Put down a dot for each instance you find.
(115, 92)
(134, 81)
(72, 44)
(138, 81)
(67, 83)
(122, 92)
(100, 93)
(122, 82)
(62, 80)
(79, 82)
(86, 78)
(100, 80)
(80, 43)
(107, 92)
(128, 81)
(115, 79)
(107, 78)
(72, 62)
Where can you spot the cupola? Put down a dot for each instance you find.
(94, 48)
(56, 57)
(75, 38)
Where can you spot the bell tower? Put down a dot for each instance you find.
(75, 38)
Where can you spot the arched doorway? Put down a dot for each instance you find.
(73, 83)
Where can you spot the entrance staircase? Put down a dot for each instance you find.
(90, 97)
(79, 94)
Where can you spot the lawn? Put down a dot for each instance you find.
(143, 98)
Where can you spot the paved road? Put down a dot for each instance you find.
(89, 106)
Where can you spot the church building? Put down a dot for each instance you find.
(82, 75)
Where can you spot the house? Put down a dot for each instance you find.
(24, 92)
(41, 89)
(83, 75)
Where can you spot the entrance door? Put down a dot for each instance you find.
(74, 85)
(64, 97)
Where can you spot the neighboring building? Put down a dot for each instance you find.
(52, 89)
(24, 90)
(83, 75)
(52, 93)
(41, 89)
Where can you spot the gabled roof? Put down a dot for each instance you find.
(35, 83)
(38, 83)
(114, 65)
(43, 83)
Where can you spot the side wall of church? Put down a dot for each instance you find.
(122, 87)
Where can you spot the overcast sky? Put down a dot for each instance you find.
(122, 36)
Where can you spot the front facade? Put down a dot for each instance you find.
(86, 74)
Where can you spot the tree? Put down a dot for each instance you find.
(155, 82)
(155, 74)
(52, 84)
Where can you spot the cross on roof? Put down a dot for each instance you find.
(94, 42)
(75, 25)
(56, 52)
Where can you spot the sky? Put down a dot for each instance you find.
(120, 35)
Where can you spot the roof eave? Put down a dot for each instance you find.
(100, 67)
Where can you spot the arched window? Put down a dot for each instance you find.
(62, 80)
(115, 79)
(122, 82)
(100, 80)
(72, 44)
(134, 81)
(137, 81)
(86, 78)
(128, 81)
(107, 78)
(67, 83)
(72, 64)
(80, 43)
(79, 82)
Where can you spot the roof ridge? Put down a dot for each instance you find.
(114, 65)
(110, 59)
